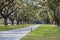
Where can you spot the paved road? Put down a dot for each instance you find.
(16, 34)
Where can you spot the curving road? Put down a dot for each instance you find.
(17, 34)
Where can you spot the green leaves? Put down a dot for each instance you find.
(53, 4)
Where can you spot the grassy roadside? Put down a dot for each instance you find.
(45, 32)
(10, 27)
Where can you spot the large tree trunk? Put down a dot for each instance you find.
(17, 22)
(12, 22)
(58, 23)
(5, 21)
(20, 22)
(56, 19)
(28, 22)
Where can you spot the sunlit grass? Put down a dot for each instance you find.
(44, 32)
(2, 28)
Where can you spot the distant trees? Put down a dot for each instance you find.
(30, 11)
(27, 11)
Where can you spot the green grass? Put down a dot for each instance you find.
(45, 32)
(10, 27)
